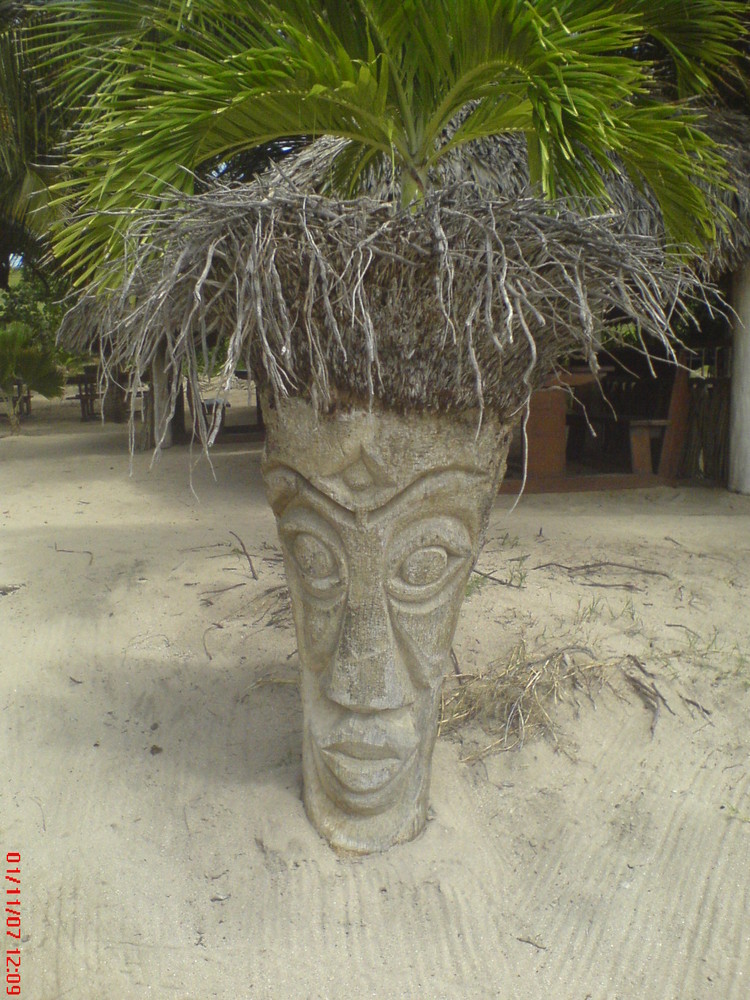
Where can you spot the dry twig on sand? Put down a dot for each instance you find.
(247, 554)
(646, 690)
(596, 566)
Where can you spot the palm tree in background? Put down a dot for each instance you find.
(33, 119)
(14, 235)
(167, 88)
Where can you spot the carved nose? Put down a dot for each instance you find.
(367, 673)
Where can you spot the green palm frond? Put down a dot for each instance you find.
(699, 59)
(32, 119)
(166, 86)
(34, 364)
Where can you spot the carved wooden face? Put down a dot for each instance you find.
(377, 552)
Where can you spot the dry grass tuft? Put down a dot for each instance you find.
(512, 699)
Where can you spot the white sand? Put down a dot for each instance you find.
(150, 745)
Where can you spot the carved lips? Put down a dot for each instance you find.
(361, 759)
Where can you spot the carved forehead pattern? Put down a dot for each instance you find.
(363, 484)
(363, 459)
(463, 492)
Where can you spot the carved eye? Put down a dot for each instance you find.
(318, 565)
(425, 566)
(314, 557)
(314, 552)
(427, 557)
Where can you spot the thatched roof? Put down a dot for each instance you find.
(500, 164)
(732, 130)
(470, 300)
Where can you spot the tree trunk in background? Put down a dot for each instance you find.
(739, 421)
(4, 267)
(156, 404)
(160, 397)
(179, 434)
(114, 406)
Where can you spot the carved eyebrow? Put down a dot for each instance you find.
(286, 484)
(457, 479)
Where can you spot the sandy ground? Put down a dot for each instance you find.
(150, 742)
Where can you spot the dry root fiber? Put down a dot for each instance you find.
(468, 301)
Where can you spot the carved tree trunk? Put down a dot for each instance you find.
(381, 516)
(739, 423)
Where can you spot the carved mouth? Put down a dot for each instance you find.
(362, 750)
(361, 767)
(365, 756)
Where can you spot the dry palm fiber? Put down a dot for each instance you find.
(501, 164)
(468, 301)
(512, 699)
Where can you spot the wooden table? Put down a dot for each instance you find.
(87, 383)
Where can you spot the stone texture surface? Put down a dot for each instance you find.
(381, 517)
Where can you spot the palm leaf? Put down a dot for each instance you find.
(31, 121)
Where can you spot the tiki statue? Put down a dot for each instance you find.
(381, 517)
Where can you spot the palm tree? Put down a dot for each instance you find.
(166, 87)
(167, 94)
(31, 121)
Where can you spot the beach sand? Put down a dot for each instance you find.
(150, 739)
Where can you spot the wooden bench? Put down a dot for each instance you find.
(645, 436)
(210, 407)
(642, 434)
(629, 423)
(236, 429)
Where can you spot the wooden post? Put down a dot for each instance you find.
(156, 404)
(546, 434)
(113, 402)
(677, 425)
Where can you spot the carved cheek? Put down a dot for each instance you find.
(316, 568)
(429, 561)
(320, 633)
(318, 622)
(425, 635)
